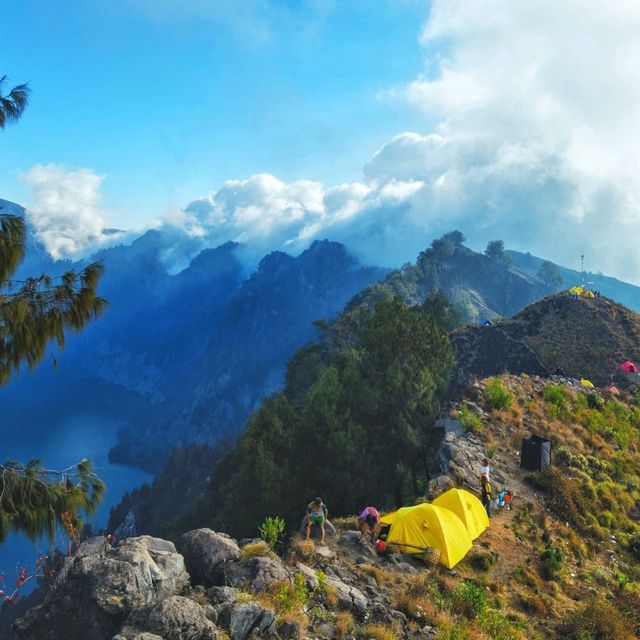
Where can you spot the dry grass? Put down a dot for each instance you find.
(381, 576)
(301, 550)
(378, 632)
(344, 625)
(297, 617)
(419, 608)
(256, 549)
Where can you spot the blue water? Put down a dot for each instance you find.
(61, 442)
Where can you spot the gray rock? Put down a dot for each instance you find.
(326, 630)
(325, 552)
(95, 592)
(222, 595)
(257, 573)
(248, 618)
(348, 597)
(290, 630)
(178, 618)
(208, 554)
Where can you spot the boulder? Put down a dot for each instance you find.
(249, 618)
(178, 618)
(208, 555)
(290, 630)
(348, 597)
(96, 591)
(256, 574)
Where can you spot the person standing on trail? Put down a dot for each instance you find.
(486, 494)
(316, 514)
(484, 469)
(369, 522)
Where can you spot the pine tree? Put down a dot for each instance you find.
(34, 313)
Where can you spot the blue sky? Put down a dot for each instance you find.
(169, 102)
(378, 123)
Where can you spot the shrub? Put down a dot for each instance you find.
(469, 599)
(469, 420)
(551, 561)
(597, 620)
(271, 530)
(452, 631)
(292, 597)
(378, 632)
(497, 395)
(483, 561)
(255, 549)
(499, 627)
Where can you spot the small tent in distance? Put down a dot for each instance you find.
(467, 507)
(425, 527)
(535, 454)
(628, 367)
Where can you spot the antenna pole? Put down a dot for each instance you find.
(582, 267)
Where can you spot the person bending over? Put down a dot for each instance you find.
(369, 523)
(316, 514)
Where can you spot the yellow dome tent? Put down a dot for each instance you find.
(467, 507)
(586, 383)
(588, 294)
(576, 291)
(388, 518)
(425, 526)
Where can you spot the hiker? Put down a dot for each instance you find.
(484, 469)
(486, 494)
(369, 522)
(316, 514)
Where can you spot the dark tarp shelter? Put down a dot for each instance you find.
(535, 454)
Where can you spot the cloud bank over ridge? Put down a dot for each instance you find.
(535, 142)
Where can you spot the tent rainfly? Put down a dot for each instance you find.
(535, 454)
(576, 291)
(587, 383)
(628, 367)
(467, 507)
(426, 526)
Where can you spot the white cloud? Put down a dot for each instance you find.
(535, 142)
(66, 214)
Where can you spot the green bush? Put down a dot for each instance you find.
(500, 627)
(271, 530)
(469, 599)
(551, 561)
(497, 395)
(294, 596)
(483, 561)
(452, 631)
(469, 420)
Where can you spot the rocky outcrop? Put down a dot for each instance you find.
(101, 586)
(208, 554)
(140, 590)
